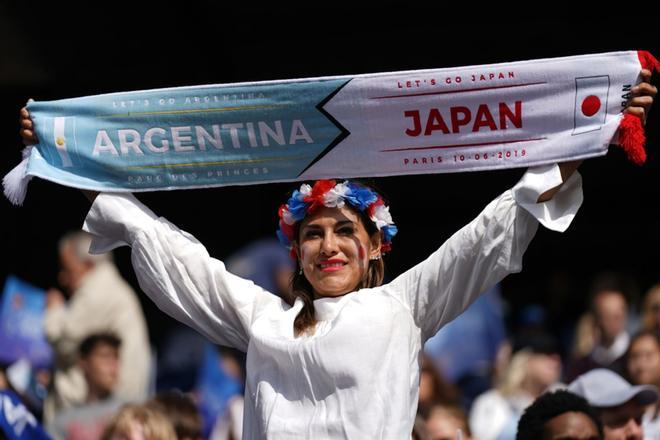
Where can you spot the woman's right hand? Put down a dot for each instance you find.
(27, 128)
(29, 137)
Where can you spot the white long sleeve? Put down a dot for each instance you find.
(487, 249)
(176, 271)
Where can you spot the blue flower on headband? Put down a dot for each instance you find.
(360, 197)
(389, 232)
(296, 206)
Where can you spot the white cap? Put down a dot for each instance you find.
(605, 389)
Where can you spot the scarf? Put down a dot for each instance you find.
(412, 122)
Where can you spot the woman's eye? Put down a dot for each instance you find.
(346, 231)
(312, 234)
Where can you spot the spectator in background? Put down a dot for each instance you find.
(100, 301)
(584, 339)
(99, 362)
(534, 367)
(229, 422)
(434, 389)
(610, 314)
(643, 367)
(560, 415)
(181, 411)
(621, 406)
(139, 422)
(180, 351)
(651, 310)
(445, 421)
(471, 366)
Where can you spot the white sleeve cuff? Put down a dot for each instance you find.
(114, 219)
(557, 213)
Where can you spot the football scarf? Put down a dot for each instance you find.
(413, 122)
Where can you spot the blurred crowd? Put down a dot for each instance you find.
(478, 379)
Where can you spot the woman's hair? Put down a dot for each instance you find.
(585, 336)
(444, 392)
(516, 372)
(453, 412)
(640, 335)
(643, 334)
(651, 301)
(301, 287)
(139, 422)
(181, 411)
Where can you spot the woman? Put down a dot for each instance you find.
(643, 368)
(139, 422)
(434, 388)
(651, 310)
(333, 364)
(444, 422)
(531, 371)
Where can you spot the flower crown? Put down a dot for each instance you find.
(330, 194)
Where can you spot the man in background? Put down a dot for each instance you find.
(99, 362)
(100, 301)
(609, 309)
(621, 406)
(560, 415)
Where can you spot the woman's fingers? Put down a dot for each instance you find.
(645, 89)
(641, 101)
(27, 123)
(27, 127)
(643, 94)
(637, 111)
(646, 74)
(29, 138)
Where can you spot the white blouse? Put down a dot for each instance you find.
(357, 377)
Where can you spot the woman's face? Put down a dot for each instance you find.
(544, 369)
(334, 249)
(644, 361)
(654, 306)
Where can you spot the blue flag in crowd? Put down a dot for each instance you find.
(21, 324)
(16, 422)
(216, 388)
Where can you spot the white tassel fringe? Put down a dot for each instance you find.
(16, 181)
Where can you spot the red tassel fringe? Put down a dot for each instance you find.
(632, 138)
(631, 129)
(648, 61)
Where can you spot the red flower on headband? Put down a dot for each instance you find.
(317, 196)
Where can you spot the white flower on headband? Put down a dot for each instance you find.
(334, 198)
(382, 216)
(288, 217)
(305, 190)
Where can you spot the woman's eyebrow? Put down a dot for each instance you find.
(336, 225)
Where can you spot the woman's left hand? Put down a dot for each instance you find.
(640, 105)
(643, 94)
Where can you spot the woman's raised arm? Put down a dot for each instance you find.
(172, 267)
(177, 273)
(492, 245)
